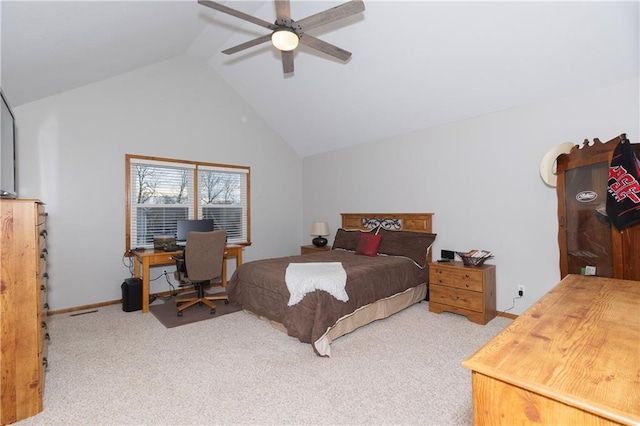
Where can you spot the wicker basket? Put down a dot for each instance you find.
(473, 261)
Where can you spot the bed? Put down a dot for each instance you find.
(377, 266)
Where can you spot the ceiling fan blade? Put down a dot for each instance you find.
(283, 10)
(247, 44)
(335, 13)
(325, 47)
(287, 61)
(222, 8)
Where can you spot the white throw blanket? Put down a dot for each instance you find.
(303, 278)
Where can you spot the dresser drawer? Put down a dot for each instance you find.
(464, 278)
(466, 299)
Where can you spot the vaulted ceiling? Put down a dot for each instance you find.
(415, 64)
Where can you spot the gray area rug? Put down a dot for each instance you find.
(167, 312)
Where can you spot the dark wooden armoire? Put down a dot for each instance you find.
(585, 236)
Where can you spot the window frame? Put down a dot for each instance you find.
(198, 207)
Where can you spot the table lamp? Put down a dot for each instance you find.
(319, 229)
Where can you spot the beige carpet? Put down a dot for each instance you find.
(125, 368)
(167, 312)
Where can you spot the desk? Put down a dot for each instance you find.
(145, 259)
(572, 358)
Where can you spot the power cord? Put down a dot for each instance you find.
(172, 288)
(127, 261)
(513, 304)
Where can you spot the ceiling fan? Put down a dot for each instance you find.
(286, 33)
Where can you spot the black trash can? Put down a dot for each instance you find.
(132, 294)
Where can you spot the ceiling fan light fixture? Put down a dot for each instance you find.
(285, 39)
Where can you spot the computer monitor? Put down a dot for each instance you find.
(186, 226)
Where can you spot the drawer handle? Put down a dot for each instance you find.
(45, 362)
(452, 297)
(46, 306)
(45, 275)
(43, 287)
(466, 276)
(466, 285)
(44, 325)
(47, 337)
(43, 233)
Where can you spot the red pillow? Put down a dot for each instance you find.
(368, 244)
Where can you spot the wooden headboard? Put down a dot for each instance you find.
(415, 222)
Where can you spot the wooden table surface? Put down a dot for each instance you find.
(579, 344)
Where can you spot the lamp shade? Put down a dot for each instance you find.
(319, 228)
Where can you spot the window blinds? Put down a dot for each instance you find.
(163, 192)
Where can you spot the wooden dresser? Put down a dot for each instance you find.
(23, 308)
(573, 358)
(464, 290)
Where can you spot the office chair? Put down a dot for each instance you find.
(200, 266)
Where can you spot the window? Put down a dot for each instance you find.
(162, 191)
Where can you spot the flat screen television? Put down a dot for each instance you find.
(198, 225)
(7, 151)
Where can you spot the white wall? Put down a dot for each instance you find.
(480, 177)
(71, 154)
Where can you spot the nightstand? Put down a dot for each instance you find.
(464, 290)
(313, 249)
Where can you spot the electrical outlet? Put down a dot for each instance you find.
(520, 290)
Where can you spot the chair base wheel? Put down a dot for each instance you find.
(213, 311)
(180, 313)
(226, 302)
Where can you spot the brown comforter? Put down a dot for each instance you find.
(260, 287)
